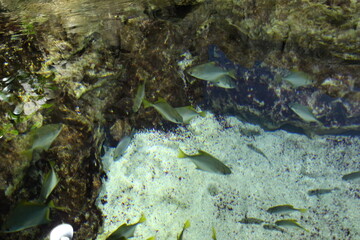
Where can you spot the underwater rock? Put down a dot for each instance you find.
(260, 97)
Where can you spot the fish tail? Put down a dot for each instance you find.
(146, 103)
(142, 218)
(187, 224)
(181, 154)
(202, 113)
(302, 210)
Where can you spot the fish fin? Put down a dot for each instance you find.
(146, 103)
(182, 154)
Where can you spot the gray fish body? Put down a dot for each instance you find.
(225, 82)
(207, 71)
(206, 162)
(121, 147)
(187, 113)
(303, 112)
(168, 112)
(298, 79)
(45, 135)
(140, 94)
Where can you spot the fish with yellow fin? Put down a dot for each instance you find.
(206, 162)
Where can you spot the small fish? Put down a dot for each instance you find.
(257, 150)
(187, 113)
(224, 82)
(26, 215)
(320, 191)
(206, 162)
(122, 147)
(49, 183)
(298, 79)
(139, 97)
(209, 72)
(213, 236)
(290, 223)
(303, 112)
(186, 226)
(41, 140)
(45, 135)
(351, 176)
(247, 220)
(285, 208)
(166, 111)
(125, 231)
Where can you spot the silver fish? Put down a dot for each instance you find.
(303, 112)
(206, 162)
(187, 113)
(298, 79)
(165, 109)
(121, 147)
(140, 94)
(209, 72)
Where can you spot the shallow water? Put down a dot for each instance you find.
(91, 56)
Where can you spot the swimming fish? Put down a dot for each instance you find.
(224, 82)
(351, 176)
(187, 113)
(166, 111)
(303, 112)
(209, 72)
(139, 97)
(41, 139)
(45, 135)
(213, 73)
(206, 162)
(298, 79)
(122, 146)
(125, 231)
(285, 208)
(186, 226)
(26, 215)
(290, 223)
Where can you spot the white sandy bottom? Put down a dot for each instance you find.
(149, 179)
